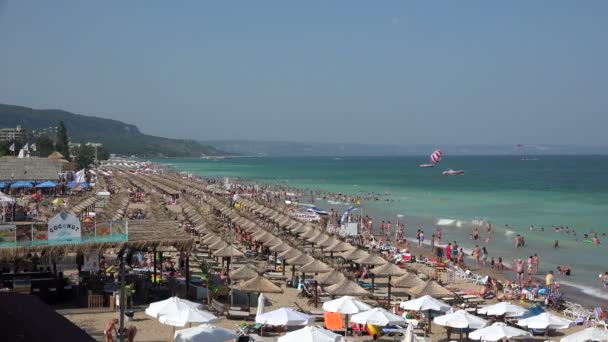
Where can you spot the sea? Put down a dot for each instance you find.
(526, 195)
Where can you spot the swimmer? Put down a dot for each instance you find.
(556, 244)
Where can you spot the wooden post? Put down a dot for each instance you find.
(154, 274)
(187, 275)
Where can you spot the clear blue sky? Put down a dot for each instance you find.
(401, 72)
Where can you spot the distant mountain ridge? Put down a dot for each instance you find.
(116, 136)
(302, 149)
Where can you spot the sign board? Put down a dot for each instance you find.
(64, 226)
(91, 262)
(351, 228)
(305, 216)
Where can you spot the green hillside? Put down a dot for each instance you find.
(117, 137)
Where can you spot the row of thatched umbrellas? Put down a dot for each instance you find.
(337, 283)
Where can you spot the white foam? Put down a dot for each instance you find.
(592, 291)
(459, 224)
(509, 232)
(445, 222)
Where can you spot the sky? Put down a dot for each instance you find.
(390, 72)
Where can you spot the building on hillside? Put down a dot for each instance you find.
(17, 134)
(50, 132)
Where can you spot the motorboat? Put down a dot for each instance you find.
(427, 165)
(451, 172)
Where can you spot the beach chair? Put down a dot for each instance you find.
(480, 280)
(596, 316)
(431, 262)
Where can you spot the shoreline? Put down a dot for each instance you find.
(378, 214)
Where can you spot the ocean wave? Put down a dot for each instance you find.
(592, 291)
(509, 232)
(445, 222)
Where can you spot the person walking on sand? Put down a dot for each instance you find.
(549, 282)
(476, 254)
(519, 268)
(535, 261)
(530, 267)
(438, 234)
(484, 256)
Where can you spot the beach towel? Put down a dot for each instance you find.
(333, 321)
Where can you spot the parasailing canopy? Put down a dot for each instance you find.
(436, 156)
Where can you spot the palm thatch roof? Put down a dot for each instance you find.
(301, 259)
(330, 278)
(281, 247)
(371, 260)
(261, 285)
(229, 251)
(244, 272)
(354, 254)
(288, 254)
(338, 246)
(430, 288)
(316, 266)
(141, 235)
(56, 155)
(388, 270)
(346, 288)
(407, 280)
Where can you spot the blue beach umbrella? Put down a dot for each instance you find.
(21, 184)
(47, 184)
(73, 184)
(3, 185)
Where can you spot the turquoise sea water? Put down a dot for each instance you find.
(551, 191)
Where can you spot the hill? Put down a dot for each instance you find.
(116, 136)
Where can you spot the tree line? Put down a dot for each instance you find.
(83, 156)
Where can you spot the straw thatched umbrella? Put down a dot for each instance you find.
(430, 288)
(300, 260)
(371, 260)
(259, 284)
(229, 252)
(273, 242)
(309, 232)
(355, 254)
(219, 244)
(315, 266)
(407, 280)
(388, 270)
(265, 237)
(291, 253)
(346, 287)
(338, 246)
(244, 272)
(330, 278)
(281, 247)
(302, 229)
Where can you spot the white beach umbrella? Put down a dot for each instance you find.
(377, 316)
(460, 320)
(425, 303)
(185, 316)
(261, 303)
(496, 332)
(346, 305)
(310, 334)
(173, 304)
(285, 316)
(589, 334)
(502, 308)
(410, 336)
(545, 321)
(204, 333)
